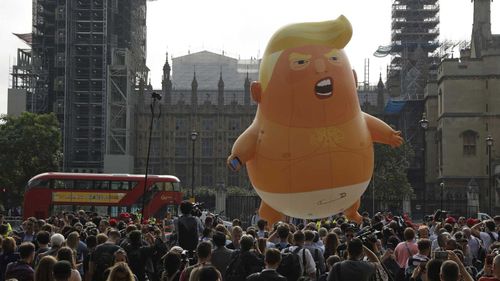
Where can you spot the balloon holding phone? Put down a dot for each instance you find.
(309, 150)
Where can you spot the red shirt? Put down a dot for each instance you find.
(488, 279)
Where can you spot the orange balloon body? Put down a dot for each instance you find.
(309, 151)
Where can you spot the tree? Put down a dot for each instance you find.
(29, 145)
(390, 172)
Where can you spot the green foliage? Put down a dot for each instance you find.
(390, 172)
(29, 145)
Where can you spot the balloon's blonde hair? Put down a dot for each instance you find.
(333, 33)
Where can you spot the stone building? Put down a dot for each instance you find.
(463, 107)
(219, 88)
(207, 93)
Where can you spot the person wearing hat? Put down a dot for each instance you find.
(451, 220)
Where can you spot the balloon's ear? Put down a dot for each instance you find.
(256, 90)
(355, 77)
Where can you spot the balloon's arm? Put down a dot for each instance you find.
(244, 147)
(381, 132)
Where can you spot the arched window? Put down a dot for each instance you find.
(469, 139)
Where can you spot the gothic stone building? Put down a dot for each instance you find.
(207, 93)
(463, 108)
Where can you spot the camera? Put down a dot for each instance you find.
(441, 255)
(440, 215)
(188, 257)
(196, 211)
(370, 234)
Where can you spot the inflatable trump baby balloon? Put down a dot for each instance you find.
(309, 150)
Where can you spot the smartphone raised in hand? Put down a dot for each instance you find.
(235, 164)
(441, 255)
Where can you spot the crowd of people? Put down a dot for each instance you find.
(85, 246)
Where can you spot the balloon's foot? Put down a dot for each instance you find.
(269, 214)
(352, 213)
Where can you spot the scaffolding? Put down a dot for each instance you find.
(125, 73)
(415, 31)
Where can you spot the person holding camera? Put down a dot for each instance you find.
(355, 268)
(495, 272)
(188, 228)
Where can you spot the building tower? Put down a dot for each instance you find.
(194, 93)
(220, 91)
(481, 27)
(380, 94)
(414, 36)
(166, 83)
(88, 58)
(247, 90)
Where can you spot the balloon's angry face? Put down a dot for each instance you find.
(311, 86)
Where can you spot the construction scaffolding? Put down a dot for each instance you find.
(415, 31)
(86, 61)
(126, 75)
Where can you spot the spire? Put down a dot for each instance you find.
(221, 82)
(380, 94)
(150, 87)
(194, 83)
(246, 98)
(166, 69)
(380, 84)
(220, 93)
(194, 92)
(166, 83)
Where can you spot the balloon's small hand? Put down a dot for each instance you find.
(234, 163)
(396, 140)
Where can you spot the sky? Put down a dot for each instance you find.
(242, 28)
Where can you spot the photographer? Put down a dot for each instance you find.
(420, 259)
(495, 271)
(188, 228)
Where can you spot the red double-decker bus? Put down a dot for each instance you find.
(51, 193)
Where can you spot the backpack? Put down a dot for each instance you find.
(236, 269)
(290, 264)
(135, 260)
(316, 261)
(104, 261)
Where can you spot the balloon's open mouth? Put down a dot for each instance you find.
(324, 88)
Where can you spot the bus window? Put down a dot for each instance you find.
(101, 184)
(83, 184)
(114, 211)
(58, 209)
(157, 187)
(63, 184)
(132, 184)
(165, 186)
(176, 186)
(119, 185)
(101, 209)
(38, 183)
(86, 208)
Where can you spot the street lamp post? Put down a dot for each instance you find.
(489, 144)
(155, 97)
(194, 136)
(424, 124)
(442, 194)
